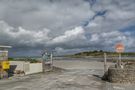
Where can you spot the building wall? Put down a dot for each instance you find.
(18, 65)
(28, 68)
(3, 55)
(34, 68)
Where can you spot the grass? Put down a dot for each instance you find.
(101, 54)
(24, 59)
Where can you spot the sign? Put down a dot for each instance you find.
(119, 48)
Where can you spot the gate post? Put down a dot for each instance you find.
(105, 62)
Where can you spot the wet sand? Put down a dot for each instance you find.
(79, 64)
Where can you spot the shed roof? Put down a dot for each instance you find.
(2, 46)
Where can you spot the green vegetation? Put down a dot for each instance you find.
(27, 59)
(11, 59)
(100, 53)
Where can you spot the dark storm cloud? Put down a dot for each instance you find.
(65, 25)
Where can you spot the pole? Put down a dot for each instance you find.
(43, 64)
(119, 59)
(43, 61)
(51, 61)
(105, 62)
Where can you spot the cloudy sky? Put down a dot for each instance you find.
(66, 26)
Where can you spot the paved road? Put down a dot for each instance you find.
(66, 80)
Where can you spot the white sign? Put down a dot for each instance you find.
(119, 48)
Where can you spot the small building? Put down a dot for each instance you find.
(4, 52)
(4, 63)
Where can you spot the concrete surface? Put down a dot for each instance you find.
(27, 67)
(79, 75)
(34, 68)
(79, 64)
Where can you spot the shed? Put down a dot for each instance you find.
(4, 52)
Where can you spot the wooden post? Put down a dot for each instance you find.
(105, 62)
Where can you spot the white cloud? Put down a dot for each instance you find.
(94, 37)
(18, 36)
(70, 35)
(120, 14)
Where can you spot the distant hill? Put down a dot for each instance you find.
(101, 53)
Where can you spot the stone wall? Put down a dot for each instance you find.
(118, 75)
